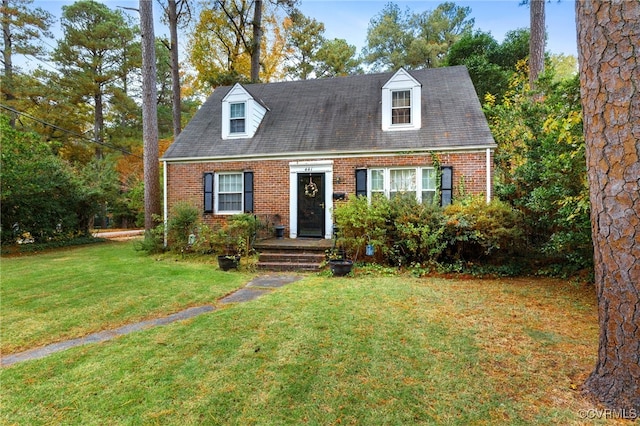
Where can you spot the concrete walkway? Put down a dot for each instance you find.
(253, 290)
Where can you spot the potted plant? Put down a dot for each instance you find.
(234, 239)
(339, 264)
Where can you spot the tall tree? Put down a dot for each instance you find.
(177, 12)
(414, 40)
(608, 39)
(22, 28)
(311, 55)
(536, 41)
(304, 39)
(438, 31)
(90, 55)
(149, 117)
(255, 42)
(336, 58)
(388, 38)
(221, 49)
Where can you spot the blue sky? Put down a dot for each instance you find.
(349, 19)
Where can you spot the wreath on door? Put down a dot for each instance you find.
(310, 189)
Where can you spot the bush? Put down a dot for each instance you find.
(479, 231)
(405, 232)
(183, 221)
(360, 223)
(417, 233)
(41, 194)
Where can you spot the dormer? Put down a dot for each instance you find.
(401, 103)
(241, 114)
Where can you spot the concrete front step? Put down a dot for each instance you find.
(287, 266)
(292, 255)
(290, 261)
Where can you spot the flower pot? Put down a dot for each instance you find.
(279, 232)
(228, 262)
(340, 267)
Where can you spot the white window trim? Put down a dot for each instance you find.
(411, 106)
(402, 81)
(216, 194)
(386, 171)
(238, 134)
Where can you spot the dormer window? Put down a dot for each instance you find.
(401, 103)
(401, 107)
(241, 114)
(237, 118)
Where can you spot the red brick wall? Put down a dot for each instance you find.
(271, 178)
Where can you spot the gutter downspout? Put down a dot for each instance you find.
(165, 213)
(488, 169)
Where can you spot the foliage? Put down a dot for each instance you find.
(93, 56)
(398, 38)
(490, 64)
(236, 236)
(183, 221)
(23, 29)
(220, 45)
(477, 231)
(311, 55)
(41, 194)
(407, 233)
(541, 166)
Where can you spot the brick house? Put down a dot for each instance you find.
(293, 148)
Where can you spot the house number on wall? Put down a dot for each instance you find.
(308, 169)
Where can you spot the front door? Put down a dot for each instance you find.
(311, 205)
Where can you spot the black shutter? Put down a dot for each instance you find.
(446, 185)
(248, 192)
(208, 192)
(361, 182)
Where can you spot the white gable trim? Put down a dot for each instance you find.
(254, 113)
(402, 80)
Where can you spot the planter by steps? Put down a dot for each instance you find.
(228, 262)
(340, 267)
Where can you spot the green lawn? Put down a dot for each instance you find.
(71, 293)
(365, 350)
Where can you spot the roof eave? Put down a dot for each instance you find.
(325, 154)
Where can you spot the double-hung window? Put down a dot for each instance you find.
(428, 185)
(237, 118)
(402, 181)
(401, 107)
(392, 182)
(229, 191)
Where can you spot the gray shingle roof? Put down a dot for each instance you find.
(341, 116)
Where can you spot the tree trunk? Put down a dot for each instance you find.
(257, 37)
(149, 117)
(608, 33)
(7, 90)
(98, 122)
(536, 41)
(175, 68)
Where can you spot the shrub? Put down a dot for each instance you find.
(478, 230)
(427, 237)
(360, 223)
(183, 221)
(417, 232)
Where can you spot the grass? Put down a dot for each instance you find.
(70, 293)
(364, 350)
